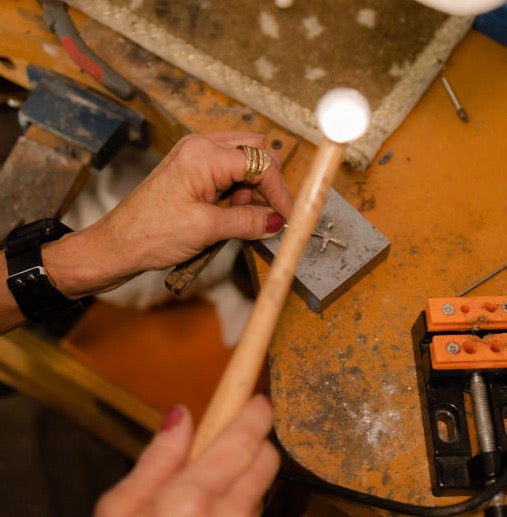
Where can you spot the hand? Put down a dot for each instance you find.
(171, 215)
(228, 479)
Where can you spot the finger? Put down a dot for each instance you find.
(272, 186)
(248, 222)
(164, 456)
(242, 196)
(246, 492)
(209, 165)
(227, 167)
(235, 448)
(247, 194)
(237, 137)
(276, 192)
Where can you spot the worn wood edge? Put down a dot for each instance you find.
(76, 403)
(272, 104)
(61, 364)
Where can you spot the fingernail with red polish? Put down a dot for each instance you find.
(274, 222)
(173, 417)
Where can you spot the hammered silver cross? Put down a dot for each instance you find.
(327, 238)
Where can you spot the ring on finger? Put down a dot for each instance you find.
(257, 161)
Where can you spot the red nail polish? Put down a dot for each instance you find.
(172, 417)
(274, 222)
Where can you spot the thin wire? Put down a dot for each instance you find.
(396, 506)
(482, 280)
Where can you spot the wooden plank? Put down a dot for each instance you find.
(28, 349)
(25, 371)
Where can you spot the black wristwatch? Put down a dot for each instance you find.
(38, 299)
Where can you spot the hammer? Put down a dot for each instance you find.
(343, 114)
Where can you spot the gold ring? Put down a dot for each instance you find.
(257, 161)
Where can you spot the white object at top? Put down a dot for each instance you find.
(343, 114)
(463, 7)
(284, 4)
(458, 7)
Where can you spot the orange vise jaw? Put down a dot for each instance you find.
(467, 351)
(481, 319)
(455, 339)
(472, 314)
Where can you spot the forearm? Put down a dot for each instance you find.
(78, 264)
(167, 219)
(84, 263)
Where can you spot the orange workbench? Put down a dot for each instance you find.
(344, 382)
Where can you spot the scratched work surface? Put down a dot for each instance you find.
(280, 62)
(344, 383)
(342, 249)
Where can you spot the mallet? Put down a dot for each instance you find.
(343, 115)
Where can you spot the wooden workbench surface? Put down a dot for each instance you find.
(344, 382)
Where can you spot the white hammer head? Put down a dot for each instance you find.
(343, 114)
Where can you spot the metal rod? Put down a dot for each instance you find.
(483, 279)
(484, 424)
(462, 114)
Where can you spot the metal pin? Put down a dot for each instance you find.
(482, 280)
(462, 114)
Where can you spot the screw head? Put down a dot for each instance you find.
(504, 306)
(453, 348)
(448, 309)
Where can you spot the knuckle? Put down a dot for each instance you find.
(193, 146)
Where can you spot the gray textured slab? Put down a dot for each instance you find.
(322, 276)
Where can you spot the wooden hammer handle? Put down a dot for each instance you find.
(238, 381)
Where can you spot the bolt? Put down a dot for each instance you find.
(276, 144)
(448, 309)
(453, 348)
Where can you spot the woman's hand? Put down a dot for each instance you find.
(228, 479)
(171, 216)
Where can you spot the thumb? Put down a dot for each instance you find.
(247, 222)
(163, 456)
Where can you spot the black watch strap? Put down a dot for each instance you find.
(37, 298)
